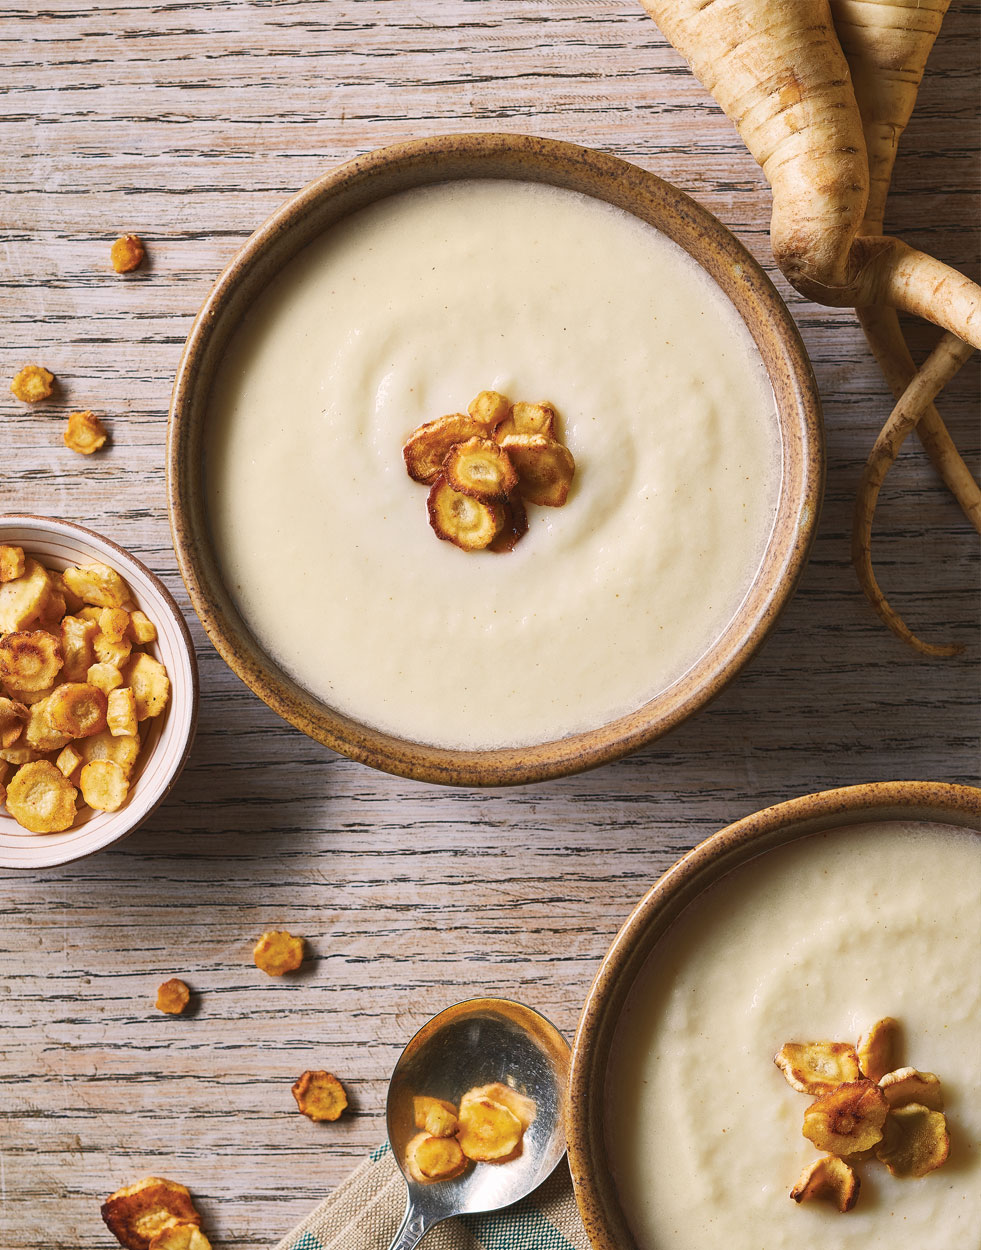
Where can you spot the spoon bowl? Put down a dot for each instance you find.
(474, 1043)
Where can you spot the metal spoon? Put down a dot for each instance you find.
(475, 1043)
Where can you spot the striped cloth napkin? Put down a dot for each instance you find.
(365, 1211)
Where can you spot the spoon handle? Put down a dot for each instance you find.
(415, 1224)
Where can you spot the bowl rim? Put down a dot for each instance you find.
(441, 159)
(36, 521)
(696, 871)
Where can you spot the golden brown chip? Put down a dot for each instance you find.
(429, 1158)
(488, 1130)
(436, 1116)
(469, 523)
(69, 762)
(135, 1215)
(32, 383)
(11, 562)
(89, 613)
(908, 1085)
(878, 1049)
(30, 697)
(127, 253)
(114, 624)
(103, 746)
(320, 1095)
(97, 584)
(41, 799)
(77, 709)
(830, 1178)
(514, 526)
(84, 433)
(141, 629)
(426, 447)
(489, 408)
(817, 1067)
(19, 754)
(180, 1237)
(518, 1104)
(528, 419)
(40, 733)
(148, 680)
(109, 652)
(13, 718)
(480, 468)
(545, 468)
(915, 1141)
(104, 785)
(106, 677)
(77, 637)
(121, 712)
(848, 1119)
(172, 997)
(22, 599)
(30, 660)
(277, 952)
(72, 602)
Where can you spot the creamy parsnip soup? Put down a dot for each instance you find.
(813, 942)
(403, 313)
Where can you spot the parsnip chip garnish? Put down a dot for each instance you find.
(320, 1095)
(32, 384)
(121, 717)
(489, 408)
(817, 1067)
(148, 680)
(436, 1116)
(127, 253)
(829, 1178)
(68, 763)
(488, 1130)
(39, 732)
(104, 785)
(172, 997)
(77, 637)
(528, 419)
(106, 677)
(112, 652)
(545, 468)
(478, 467)
(114, 624)
(142, 630)
(468, 523)
(908, 1085)
(84, 433)
(429, 1158)
(520, 1105)
(30, 659)
(13, 718)
(41, 799)
(847, 1120)
(277, 952)
(97, 584)
(180, 1237)
(915, 1141)
(137, 1213)
(878, 1048)
(11, 562)
(514, 527)
(103, 746)
(77, 709)
(426, 447)
(22, 599)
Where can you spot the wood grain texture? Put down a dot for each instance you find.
(188, 123)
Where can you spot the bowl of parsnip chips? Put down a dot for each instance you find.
(98, 692)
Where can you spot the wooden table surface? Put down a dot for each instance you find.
(189, 123)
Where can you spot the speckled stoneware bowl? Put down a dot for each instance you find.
(379, 174)
(586, 1129)
(58, 544)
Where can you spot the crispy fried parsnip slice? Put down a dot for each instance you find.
(68, 763)
(141, 629)
(148, 680)
(103, 746)
(41, 799)
(104, 785)
(121, 717)
(22, 599)
(106, 677)
(908, 1085)
(40, 733)
(277, 952)
(32, 384)
(77, 709)
(915, 1141)
(114, 624)
(320, 1095)
(481, 469)
(489, 408)
(97, 585)
(817, 1067)
(11, 562)
(20, 754)
(111, 652)
(84, 433)
(468, 523)
(135, 1214)
(545, 468)
(180, 1237)
(429, 1158)
(30, 659)
(878, 1049)
(13, 718)
(829, 1178)
(847, 1120)
(127, 253)
(528, 419)
(520, 1105)
(172, 997)
(436, 1116)
(426, 447)
(488, 1130)
(77, 637)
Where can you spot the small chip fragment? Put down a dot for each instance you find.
(141, 629)
(77, 709)
(817, 1067)
(135, 1214)
(545, 468)
(104, 785)
(77, 637)
(830, 1178)
(488, 1130)
(32, 383)
(84, 433)
(180, 1237)
(127, 253)
(106, 677)
(520, 1105)
(426, 447)
(121, 716)
(277, 952)
(915, 1141)
(320, 1095)
(481, 469)
(489, 408)
(11, 562)
(435, 1115)
(13, 718)
(22, 598)
(878, 1049)
(429, 1158)
(172, 997)
(109, 652)
(848, 1119)
(97, 584)
(148, 680)
(68, 763)
(468, 523)
(41, 799)
(29, 660)
(114, 624)
(908, 1085)
(528, 419)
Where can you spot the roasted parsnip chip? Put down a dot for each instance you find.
(29, 660)
(104, 785)
(32, 383)
(84, 433)
(180, 1237)
(480, 468)
(103, 746)
(114, 624)
(437, 1117)
(817, 1067)
(514, 527)
(429, 1158)
(136, 1214)
(13, 718)
(109, 652)
(908, 1085)
(11, 562)
(121, 716)
(19, 754)
(40, 733)
(277, 952)
(77, 637)
(488, 1130)
(68, 763)
(172, 997)
(97, 584)
(426, 447)
(489, 408)
(469, 523)
(320, 1095)
(77, 709)
(878, 1049)
(848, 1119)
(106, 677)
(148, 680)
(915, 1141)
(141, 629)
(545, 468)
(41, 799)
(528, 419)
(830, 1178)
(30, 697)
(518, 1104)
(127, 253)
(22, 599)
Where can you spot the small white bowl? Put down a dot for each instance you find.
(58, 544)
